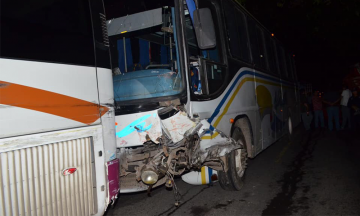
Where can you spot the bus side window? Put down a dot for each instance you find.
(276, 57)
(281, 58)
(255, 52)
(212, 70)
(236, 28)
(257, 44)
(271, 54)
(215, 72)
(214, 75)
(289, 67)
(261, 44)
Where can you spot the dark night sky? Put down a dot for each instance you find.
(324, 35)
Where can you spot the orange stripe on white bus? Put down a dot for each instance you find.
(50, 102)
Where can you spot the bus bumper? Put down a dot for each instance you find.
(113, 180)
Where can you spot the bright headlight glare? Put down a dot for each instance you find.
(149, 177)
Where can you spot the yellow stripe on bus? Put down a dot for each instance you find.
(203, 175)
(233, 97)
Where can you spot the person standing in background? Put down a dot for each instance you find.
(345, 110)
(354, 105)
(306, 115)
(318, 112)
(332, 99)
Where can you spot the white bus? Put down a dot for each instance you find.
(199, 86)
(195, 91)
(57, 134)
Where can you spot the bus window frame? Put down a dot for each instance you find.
(221, 51)
(290, 74)
(264, 31)
(225, 51)
(271, 47)
(147, 104)
(228, 49)
(287, 77)
(261, 37)
(250, 64)
(283, 71)
(277, 63)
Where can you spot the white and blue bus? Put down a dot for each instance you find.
(199, 86)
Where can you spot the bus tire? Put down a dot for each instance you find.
(233, 178)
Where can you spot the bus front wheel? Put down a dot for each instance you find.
(233, 178)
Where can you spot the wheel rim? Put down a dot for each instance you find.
(240, 158)
(240, 154)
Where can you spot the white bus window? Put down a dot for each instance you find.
(50, 31)
(236, 29)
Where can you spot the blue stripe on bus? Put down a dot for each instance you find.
(218, 108)
(210, 173)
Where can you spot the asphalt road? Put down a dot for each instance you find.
(317, 173)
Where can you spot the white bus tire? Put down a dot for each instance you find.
(233, 178)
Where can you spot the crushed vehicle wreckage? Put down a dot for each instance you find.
(172, 144)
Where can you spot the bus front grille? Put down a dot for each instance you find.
(32, 180)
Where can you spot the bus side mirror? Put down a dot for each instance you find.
(204, 28)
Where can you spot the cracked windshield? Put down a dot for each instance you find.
(145, 55)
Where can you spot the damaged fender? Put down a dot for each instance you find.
(216, 147)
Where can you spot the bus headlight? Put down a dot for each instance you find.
(149, 176)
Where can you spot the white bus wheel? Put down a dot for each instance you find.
(233, 178)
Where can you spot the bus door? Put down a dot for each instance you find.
(207, 71)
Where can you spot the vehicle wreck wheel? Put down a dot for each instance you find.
(232, 179)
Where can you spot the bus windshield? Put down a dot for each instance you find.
(145, 55)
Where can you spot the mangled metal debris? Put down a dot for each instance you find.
(167, 143)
